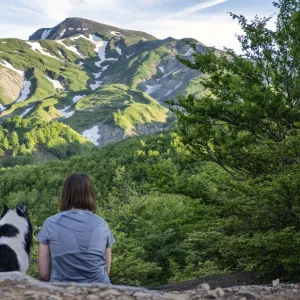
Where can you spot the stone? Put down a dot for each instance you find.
(15, 285)
(212, 295)
(205, 286)
(276, 282)
(92, 297)
(219, 291)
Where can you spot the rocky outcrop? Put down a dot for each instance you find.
(11, 84)
(14, 286)
(108, 133)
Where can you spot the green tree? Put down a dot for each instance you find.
(5, 143)
(29, 140)
(14, 139)
(248, 122)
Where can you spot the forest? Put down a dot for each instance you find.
(28, 141)
(219, 193)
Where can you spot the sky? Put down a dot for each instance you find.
(207, 21)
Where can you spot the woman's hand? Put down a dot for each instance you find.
(44, 262)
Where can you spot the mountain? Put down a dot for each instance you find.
(104, 82)
(74, 26)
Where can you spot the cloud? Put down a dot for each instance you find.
(160, 18)
(212, 30)
(198, 7)
(78, 1)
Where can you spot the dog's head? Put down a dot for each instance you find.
(16, 221)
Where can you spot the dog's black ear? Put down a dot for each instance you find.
(21, 209)
(5, 210)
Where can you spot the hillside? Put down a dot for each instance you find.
(100, 80)
(27, 141)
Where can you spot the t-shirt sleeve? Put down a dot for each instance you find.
(43, 235)
(110, 238)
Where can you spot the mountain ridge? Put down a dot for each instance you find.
(74, 25)
(105, 82)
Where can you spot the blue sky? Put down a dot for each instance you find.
(204, 20)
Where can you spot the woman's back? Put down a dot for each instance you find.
(78, 240)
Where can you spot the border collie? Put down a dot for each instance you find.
(15, 239)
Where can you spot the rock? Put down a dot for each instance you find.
(276, 282)
(205, 286)
(15, 285)
(219, 291)
(212, 295)
(92, 297)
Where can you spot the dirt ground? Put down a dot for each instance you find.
(226, 280)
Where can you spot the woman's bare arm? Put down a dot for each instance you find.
(44, 262)
(108, 260)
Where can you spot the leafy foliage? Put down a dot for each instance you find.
(248, 124)
(150, 195)
(24, 141)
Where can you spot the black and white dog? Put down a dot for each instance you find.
(15, 239)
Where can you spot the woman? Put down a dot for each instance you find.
(75, 245)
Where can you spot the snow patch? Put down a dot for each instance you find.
(60, 53)
(36, 46)
(116, 33)
(119, 50)
(144, 39)
(3, 42)
(85, 29)
(100, 46)
(72, 112)
(70, 28)
(79, 28)
(2, 108)
(56, 83)
(61, 34)
(80, 64)
(71, 48)
(10, 66)
(162, 69)
(152, 88)
(26, 112)
(25, 91)
(97, 75)
(92, 135)
(46, 33)
(104, 68)
(171, 91)
(77, 98)
(167, 74)
(189, 52)
(127, 56)
(94, 86)
(65, 113)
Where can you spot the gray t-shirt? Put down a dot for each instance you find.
(78, 240)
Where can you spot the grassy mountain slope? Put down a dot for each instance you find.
(96, 78)
(117, 103)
